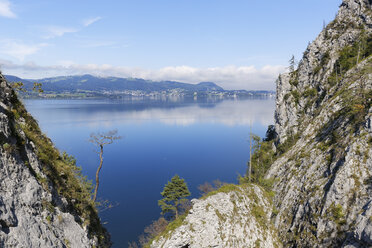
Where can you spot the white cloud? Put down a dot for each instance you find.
(90, 21)
(5, 10)
(57, 31)
(228, 113)
(18, 49)
(229, 77)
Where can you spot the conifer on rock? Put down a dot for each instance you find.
(174, 194)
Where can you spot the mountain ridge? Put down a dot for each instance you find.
(114, 86)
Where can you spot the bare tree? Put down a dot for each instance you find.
(218, 184)
(38, 87)
(20, 87)
(132, 244)
(250, 152)
(150, 232)
(102, 139)
(207, 187)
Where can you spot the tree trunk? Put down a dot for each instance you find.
(250, 154)
(97, 173)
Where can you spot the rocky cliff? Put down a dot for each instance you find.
(324, 180)
(234, 216)
(321, 148)
(302, 93)
(44, 201)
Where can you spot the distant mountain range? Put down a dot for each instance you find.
(91, 86)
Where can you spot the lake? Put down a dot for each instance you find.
(200, 140)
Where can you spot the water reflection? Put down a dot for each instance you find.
(184, 113)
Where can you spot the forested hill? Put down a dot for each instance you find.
(93, 83)
(89, 85)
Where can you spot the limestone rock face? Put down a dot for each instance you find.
(317, 64)
(30, 215)
(323, 181)
(239, 218)
(324, 188)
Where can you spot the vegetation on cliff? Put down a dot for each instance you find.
(60, 173)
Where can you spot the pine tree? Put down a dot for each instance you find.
(174, 194)
(292, 64)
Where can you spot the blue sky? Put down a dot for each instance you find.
(239, 44)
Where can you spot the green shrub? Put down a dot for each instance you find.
(310, 92)
(262, 159)
(49, 219)
(317, 69)
(368, 181)
(260, 215)
(287, 144)
(47, 206)
(348, 57)
(296, 96)
(67, 243)
(16, 114)
(286, 96)
(294, 81)
(224, 189)
(325, 59)
(6, 147)
(323, 62)
(337, 214)
(9, 148)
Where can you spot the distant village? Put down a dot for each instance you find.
(168, 94)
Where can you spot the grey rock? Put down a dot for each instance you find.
(225, 220)
(323, 182)
(24, 219)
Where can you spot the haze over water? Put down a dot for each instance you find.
(198, 140)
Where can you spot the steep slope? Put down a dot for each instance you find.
(235, 216)
(326, 60)
(323, 122)
(321, 146)
(44, 202)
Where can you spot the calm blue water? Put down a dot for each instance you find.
(200, 141)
